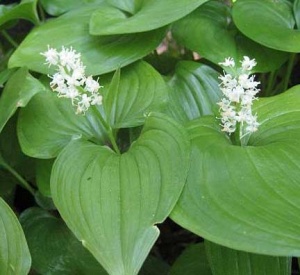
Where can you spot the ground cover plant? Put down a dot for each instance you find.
(150, 137)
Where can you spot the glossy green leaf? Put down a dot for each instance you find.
(195, 91)
(49, 123)
(113, 202)
(14, 254)
(53, 247)
(268, 23)
(25, 10)
(100, 54)
(226, 261)
(192, 261)
(111, 20)
(132, 94)
(247, 198)
(209, 30)
(18, 91)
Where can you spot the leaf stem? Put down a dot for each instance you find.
(288, 71)
(41, 12)
(108, 129)
(270, 83)
(9, 39)
(23, 182)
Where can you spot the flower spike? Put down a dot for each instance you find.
(239, 90)
(70, 80)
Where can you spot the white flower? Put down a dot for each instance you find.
(69, 58)
(70, 81)
(239, 93)
(229, 62)
(248, 64)
(51, 56)
(91, 85)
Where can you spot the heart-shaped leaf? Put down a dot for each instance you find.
(111, 20)
(268, 23)
(226, 261)
(133, 94)
(49, 123)
(210, 32)
(247, 198)
(112, 202)
(100, 54)
(18, 91)
(195, 91)
(14, 253)
(192, 261)
(25, 10)
(53, 247)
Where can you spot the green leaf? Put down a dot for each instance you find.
(43, 201)
(54, 248)
(226, 261)
(111, 20)
(25, 10)
(11, 152)
(154, 266)
(49, 123)
(18, 91)
(133, 94)
(130, 6)
(296, 10)
(12, 158)
(14, 254)
(192, 261)
(268, 23)
(43, 173)
(195, 91)
(58, 7)
(209, 30)
(100, 54)
(113, 202)
(247, 198)
(5, 75)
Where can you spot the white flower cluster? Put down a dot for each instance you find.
(70, 81)
(239, 90)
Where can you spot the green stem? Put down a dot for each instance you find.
(237, 134)
(288, 71)
(108, 129)
(270, 84)
(24, 183)
(41, 12)
(9, 39)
